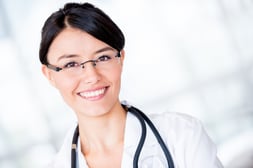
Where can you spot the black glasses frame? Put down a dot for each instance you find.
(93, 61)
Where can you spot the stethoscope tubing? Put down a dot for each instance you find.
(142, 118)
(156, 133)
(73, 148)
(142, 139)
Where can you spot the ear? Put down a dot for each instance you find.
(122, 56)
(48, 74)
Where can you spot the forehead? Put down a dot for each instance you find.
(73, 41)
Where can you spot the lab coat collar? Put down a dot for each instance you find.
(133, 132)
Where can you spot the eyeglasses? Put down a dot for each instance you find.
(74, 68)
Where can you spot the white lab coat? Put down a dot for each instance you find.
(185, 137)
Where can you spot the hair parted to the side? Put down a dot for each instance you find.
(83, 16)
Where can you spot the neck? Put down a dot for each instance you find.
(103, 132)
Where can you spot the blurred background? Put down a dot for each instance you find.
(189, 56)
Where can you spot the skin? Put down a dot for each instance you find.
(101, 118)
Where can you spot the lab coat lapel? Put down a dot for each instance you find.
(150, 149)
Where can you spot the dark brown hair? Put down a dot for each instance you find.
(85, 17)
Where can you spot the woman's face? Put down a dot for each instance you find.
(94, 90)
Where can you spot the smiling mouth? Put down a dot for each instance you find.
(94, 94)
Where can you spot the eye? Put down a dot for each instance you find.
(104, 58)
(71, 65)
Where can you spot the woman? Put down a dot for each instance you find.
(82, 55)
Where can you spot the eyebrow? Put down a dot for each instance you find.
(96, 52)
(104, 49)
(66, 56)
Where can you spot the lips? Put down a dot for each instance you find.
(93, 94)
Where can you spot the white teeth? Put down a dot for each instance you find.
(93, 93)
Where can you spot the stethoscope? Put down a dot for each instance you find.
(142, 118)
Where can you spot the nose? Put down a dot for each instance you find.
(90, 73)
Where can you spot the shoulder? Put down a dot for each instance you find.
(187, 140)
(175, 120)
(179, 128)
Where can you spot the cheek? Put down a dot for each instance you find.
(116, 80)
(65, 86)
(116, 77)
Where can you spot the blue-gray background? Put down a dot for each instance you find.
(189, 56)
